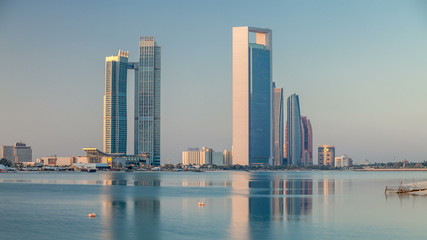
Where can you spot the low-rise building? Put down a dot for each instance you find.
(343, 161)
(56, 161)
(116, 159)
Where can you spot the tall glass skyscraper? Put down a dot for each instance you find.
(277, 126)
(307, 141)
(294, 134)
(147, 100)
(115, 110)
(252, 96)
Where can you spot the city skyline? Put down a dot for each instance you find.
(358, 69)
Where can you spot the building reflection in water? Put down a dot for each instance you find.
(300, 201)
(131, 212)
(326, 187)
(264, 200)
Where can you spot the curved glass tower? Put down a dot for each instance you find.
(294, 133)
(307, 141)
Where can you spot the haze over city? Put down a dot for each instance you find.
(358, 67)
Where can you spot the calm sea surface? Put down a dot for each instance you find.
(238, 205)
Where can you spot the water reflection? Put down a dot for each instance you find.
(302, 204)
(131, 213)
(265, 200)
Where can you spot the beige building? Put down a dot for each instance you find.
(228, 159)
(343, 161)
(326, 155)
(197, 156)
(58, 161)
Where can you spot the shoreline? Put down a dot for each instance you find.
(391, 170)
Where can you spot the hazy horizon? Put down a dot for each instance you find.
(357, 66)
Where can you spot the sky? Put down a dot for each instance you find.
(359, 68)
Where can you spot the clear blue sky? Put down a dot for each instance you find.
(358, 66)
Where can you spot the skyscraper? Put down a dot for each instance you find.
(307, 141)
(277, 125)
(147, 100)
(294, 148)
(252, 96)
(115, 110)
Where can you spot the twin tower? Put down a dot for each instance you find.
(147, 101)
(258, 107)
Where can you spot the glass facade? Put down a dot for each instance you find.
(259, 104)
(294, 134)
(147, 101)
(307, 142)
(278, 126)
(115, 105)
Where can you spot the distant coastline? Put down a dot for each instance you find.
(391, 169)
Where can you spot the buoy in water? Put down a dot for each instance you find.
(201, 204)
(91, 215)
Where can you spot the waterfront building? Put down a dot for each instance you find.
(57, 161)
(197, 156)
(228, 158)
(18, 153)
(307, 141)
(93, 155)
(147, 100)
(277, 126)
(252, 96)
(217, 158)
(293, 131)
(343, 161)
(115, 103)
(7, 153)
(326, 155)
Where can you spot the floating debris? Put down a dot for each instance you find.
(418, 188)
(91, 215)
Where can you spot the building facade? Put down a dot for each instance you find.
(326, 155)
(343, 161)
(294, 133)
(7, 153)
(228, 158)
(197, 156)
(252, 96)
(217, 158)
(18, 153)
(307, 141)
(277, 126)
(147, 100)
(115, 103)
